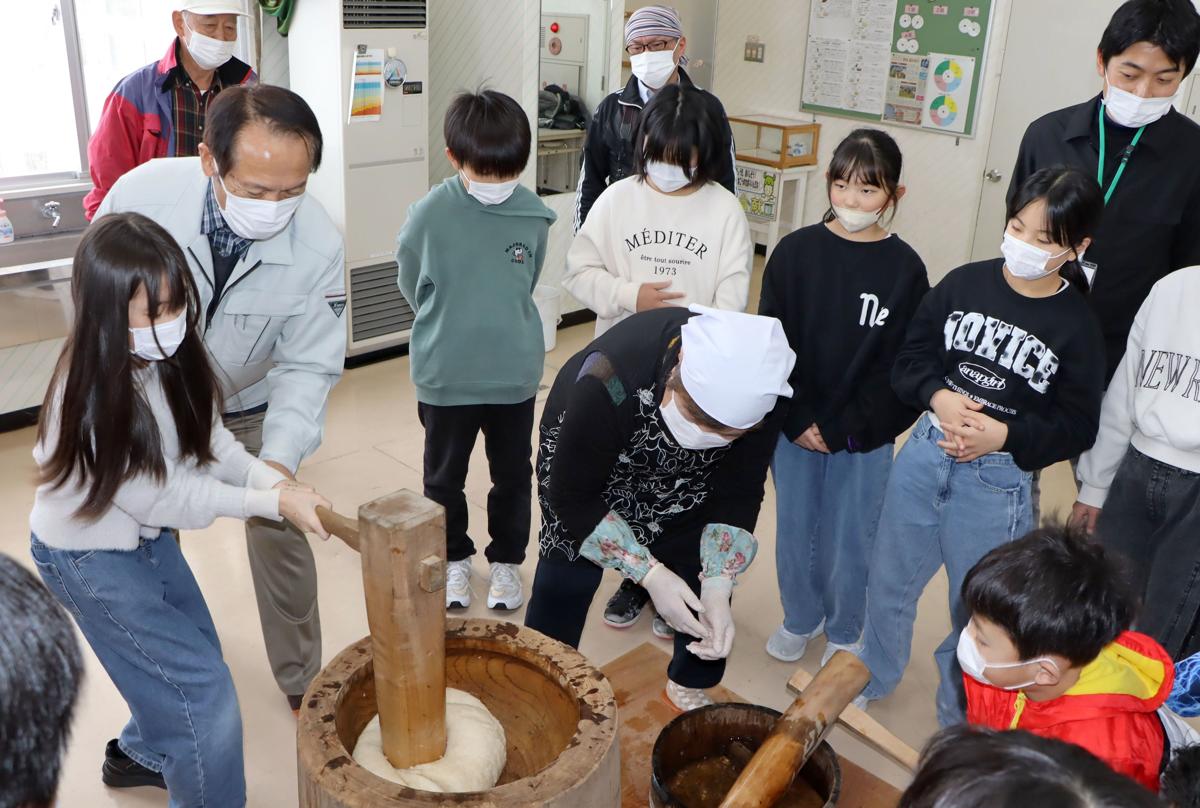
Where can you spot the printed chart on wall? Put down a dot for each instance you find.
(910, 64)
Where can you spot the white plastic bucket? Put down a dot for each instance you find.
(548, 299)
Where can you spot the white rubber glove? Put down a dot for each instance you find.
(717, 617)
(674, 601)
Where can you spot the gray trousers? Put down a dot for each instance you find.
(285, 584)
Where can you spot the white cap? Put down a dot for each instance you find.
(216, 7)
(735, 365)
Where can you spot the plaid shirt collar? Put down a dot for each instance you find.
(223, 240)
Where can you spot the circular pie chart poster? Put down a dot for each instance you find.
(943, 112)
(948, 92)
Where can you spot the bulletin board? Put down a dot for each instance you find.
(914, 64)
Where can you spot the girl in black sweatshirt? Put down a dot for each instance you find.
(1007, 360)
(845, 290)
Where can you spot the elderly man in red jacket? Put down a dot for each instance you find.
(159, 110)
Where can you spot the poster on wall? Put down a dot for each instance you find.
(756, 190)
(366, 85)
(895, 62)
(947, 92)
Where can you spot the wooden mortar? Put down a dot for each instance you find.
(558, 712)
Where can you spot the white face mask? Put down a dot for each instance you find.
(856, 220)
(654, 68)
(1026, 261)
(975, 666)
(667, 177)
(209, 53)
(490, 193)
(1127, 109)
(256, 219)
(170, 337)
(687, 434)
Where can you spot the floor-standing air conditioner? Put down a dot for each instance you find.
(374, 166)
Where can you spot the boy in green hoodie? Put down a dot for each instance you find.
(470, 255)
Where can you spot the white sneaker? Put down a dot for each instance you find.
(788, 647)
(504, 591)
(833, 647)
(458, 584)
(687, 698)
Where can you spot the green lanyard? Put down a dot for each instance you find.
(1124, 158)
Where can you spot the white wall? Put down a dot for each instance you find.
(944, 175)
(479, 43)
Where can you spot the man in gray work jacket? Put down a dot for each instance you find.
(268, 263)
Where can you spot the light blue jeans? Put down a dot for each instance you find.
(146, 620)
(827, 509)
(936, 511)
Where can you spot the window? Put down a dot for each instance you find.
(77, 50)
(39, 136)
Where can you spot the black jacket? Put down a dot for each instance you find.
(603, 447)
(1150, 227)
(608, 149)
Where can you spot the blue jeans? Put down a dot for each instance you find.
(936, 511)
(827, 510)
(145, 618)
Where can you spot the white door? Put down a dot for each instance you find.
(1049, 63)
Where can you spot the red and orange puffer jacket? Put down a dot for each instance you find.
(1110, 711)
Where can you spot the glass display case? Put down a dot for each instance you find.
(772, 140)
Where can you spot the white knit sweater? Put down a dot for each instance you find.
(237, 484)
(1153, 401)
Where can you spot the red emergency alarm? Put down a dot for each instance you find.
(554, 28)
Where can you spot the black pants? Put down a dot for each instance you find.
(563, 592)
(1152, 517)
(508, 439)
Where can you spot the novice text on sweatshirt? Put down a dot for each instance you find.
(1036, 364)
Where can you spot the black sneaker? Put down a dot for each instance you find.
(625, 607)
(121, 771)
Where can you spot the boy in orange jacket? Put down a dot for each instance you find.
(1048, 650)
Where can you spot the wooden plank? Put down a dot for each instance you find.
(639, 678)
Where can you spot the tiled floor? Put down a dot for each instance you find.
(373, 446)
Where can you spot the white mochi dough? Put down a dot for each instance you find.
(475, 750)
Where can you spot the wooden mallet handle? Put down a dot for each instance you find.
(343, 527)
(798, 732)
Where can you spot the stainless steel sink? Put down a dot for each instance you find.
(37, 249)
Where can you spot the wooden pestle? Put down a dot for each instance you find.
(864, 726)
(798, 732)
(402, 541)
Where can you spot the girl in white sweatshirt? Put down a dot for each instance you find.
(1139, 485)
(669, 235)
(130, 445)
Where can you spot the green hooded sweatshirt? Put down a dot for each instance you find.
(468, 270)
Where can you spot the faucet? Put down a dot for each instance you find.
(51, 210)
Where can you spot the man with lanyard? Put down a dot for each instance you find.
(268, 264)
(1142, 152)
(652, 460)
(656, 45)
(159, 110)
